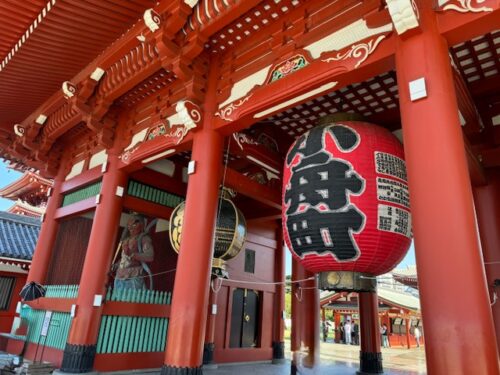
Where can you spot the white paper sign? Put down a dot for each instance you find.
(46, 323)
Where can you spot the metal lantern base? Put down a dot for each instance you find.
(347, 281)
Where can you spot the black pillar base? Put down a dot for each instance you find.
(171, 370)
(208, 353)
(278, 352)
(293, 369)
(370, 363)
(78, 359)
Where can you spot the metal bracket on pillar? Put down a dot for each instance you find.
(418, 89)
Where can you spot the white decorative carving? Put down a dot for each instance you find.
(465, 6)
(403, 14)
(191, 3)
(243, 87)
(76, 169)
(19, 130)
(189, 113)
(187, 117)
(97, 74)
(152, 19)
(98, 159)
(40, 120)
(342, 38)
(297, 99)
(241, 138)
(137, 138)
(358, 51)
(69, 89)
(228, 111)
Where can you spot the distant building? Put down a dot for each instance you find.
(29, 193)
(18, 236)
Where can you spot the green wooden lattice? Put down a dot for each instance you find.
(82, 194)
(133, 334)
(152, 194)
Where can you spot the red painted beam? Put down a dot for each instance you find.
(304, 81)
(52, 304)
(244, 185)
(160, 181)
(136, 309)
(82, 179)
(148, 208)
(459, 27)
(76, 208)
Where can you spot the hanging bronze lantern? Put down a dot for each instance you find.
(230, 232)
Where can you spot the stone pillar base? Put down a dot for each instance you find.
(171, 370)
(78, 359)
(370, 363)
(278, 352)
(208, 354)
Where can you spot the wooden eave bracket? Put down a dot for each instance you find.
(405, 17)
(103, 127)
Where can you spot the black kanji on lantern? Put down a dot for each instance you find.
(320, 216)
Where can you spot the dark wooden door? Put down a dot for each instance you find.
(244, 319)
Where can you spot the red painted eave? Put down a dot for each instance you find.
(70, 36)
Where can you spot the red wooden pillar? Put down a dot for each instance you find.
(209, 347)
(370, 355)
(487, 199)
(186, 331)
(305, 320)
(408, 341)
(80, 349)
(337, 327)
(279, 311)
(448, 256)
(45, 244)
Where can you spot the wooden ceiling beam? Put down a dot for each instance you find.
(252, 189)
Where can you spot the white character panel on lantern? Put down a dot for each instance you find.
(393, 191)
(394, 219)
(320, 216)
(390, 165)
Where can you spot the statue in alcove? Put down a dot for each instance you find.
(136, 252)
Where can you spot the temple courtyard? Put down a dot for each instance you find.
(335, 359)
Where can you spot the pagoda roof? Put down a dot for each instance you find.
(407, 276)
(18, 236)
(26, 209)
(27, 183)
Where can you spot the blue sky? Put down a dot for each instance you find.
(6, 177)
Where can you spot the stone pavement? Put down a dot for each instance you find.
(335, 359)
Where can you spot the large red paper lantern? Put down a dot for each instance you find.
(345, 199)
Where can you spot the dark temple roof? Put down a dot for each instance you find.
(18, 235)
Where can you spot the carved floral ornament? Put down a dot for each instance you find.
(359, 51)
(228, 110)
(187, 117)
(464, 6)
